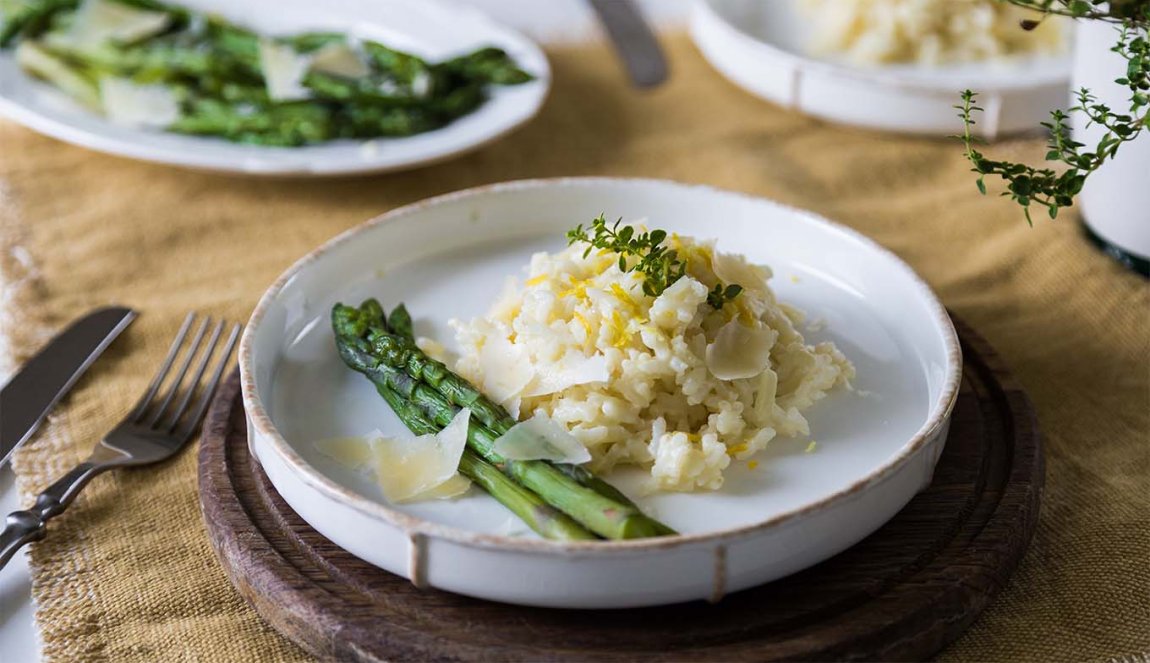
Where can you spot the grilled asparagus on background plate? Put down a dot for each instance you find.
(147, 64)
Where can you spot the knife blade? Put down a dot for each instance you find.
(32, 392)
(633, 41)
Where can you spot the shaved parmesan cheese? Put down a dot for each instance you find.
(739, 351)
(540, 438)
(133, 105)
(408, 469)
(450, 489)
(764, 403)
(283, 71)
(570, 372)
(421, 84)
(432, 348)
(732, 269)
(428, 458)
(339, 60)
(354, 453)
(506, 372)
(99, 21)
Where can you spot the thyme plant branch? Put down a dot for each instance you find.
(1055, 189)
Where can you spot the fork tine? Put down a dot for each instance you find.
(142, 404)
(205, 400)
(205, 357)
(174, 386)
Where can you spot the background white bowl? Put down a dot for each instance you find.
(448, 257)
(760, 47)
(432, 29)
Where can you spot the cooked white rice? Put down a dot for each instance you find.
(634, 377)
(928, 32)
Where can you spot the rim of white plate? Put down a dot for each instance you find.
(296, 162)
(878, 76)
(261, 421)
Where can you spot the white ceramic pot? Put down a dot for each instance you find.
(1115, 202)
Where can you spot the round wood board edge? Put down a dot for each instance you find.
(901, 594)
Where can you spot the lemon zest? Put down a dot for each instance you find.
(536, 280)
(752, 464)
(625, 298)
(737, 449)
(578, 289)
(583, 321)
(811, 446)
(622, 334)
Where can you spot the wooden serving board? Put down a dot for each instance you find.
(902, 593)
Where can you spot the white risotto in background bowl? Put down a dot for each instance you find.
(668, 382)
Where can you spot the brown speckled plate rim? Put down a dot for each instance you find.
(258, 417)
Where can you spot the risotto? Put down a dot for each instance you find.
(669, 383)
(930, 32)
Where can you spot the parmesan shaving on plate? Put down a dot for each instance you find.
(133, 105)
(668, 383)
(539, 438)
(506, 371)
(408, 469)
(99, 22)
(928, 32)
(740, 351)
(339, 60)
(283, 69)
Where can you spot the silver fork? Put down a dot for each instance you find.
(153, 431)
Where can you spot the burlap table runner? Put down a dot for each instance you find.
(128, 573)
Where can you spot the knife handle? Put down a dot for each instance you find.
(23, 527)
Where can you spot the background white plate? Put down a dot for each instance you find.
(760, 46)
(449, 257)
(432, 29)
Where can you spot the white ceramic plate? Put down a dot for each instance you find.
(433, 29)
(760, 46)
(449, 256)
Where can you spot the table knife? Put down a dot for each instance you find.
(633, 40)
(28, 397)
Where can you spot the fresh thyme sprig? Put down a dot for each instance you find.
(644, 252)
(1115, 11)
(1047, 187)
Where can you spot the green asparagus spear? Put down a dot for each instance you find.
(602, 515)
(77, 83)
(532, 510)
(487, 65)
(28, 17)
(540, 516)
(285, 124)
(399, 322)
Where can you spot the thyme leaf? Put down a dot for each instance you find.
(644, 252)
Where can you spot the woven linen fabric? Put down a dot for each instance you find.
(128, 574)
